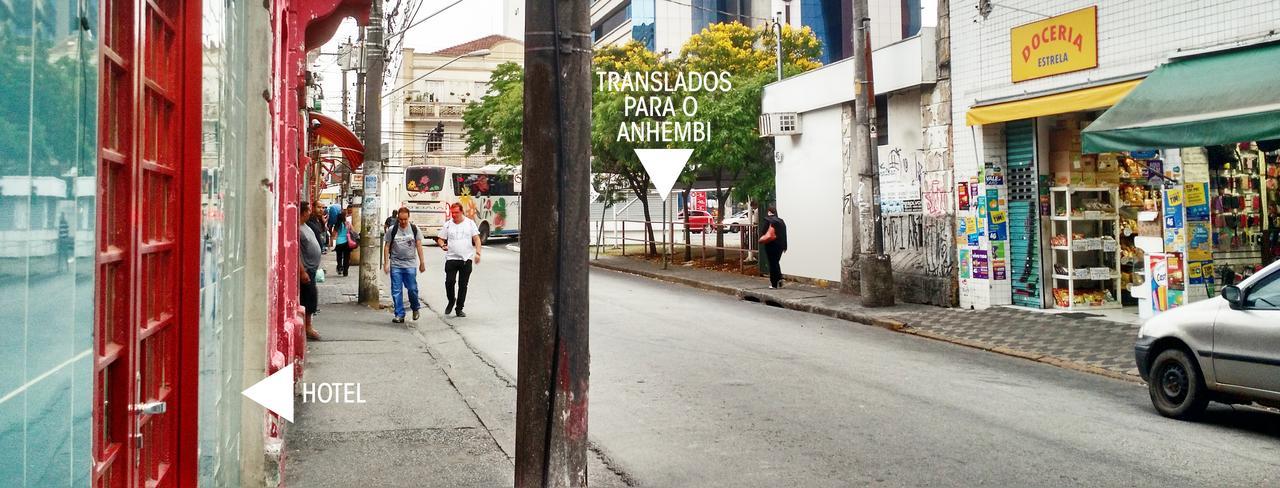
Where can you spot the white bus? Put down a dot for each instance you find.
(490, 196)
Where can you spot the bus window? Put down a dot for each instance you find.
(481, 185)
(419, 179)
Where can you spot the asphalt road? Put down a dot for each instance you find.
(690, 388)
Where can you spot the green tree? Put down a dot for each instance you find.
(498, 118)
(736, 153)
(609, 156)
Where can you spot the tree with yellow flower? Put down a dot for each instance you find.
(736, 158)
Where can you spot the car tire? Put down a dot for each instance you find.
(1176, 385)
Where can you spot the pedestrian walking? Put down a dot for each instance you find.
(344, 240)
(66, 245)
(775, 243)
(402, 248)
(334, 211)
(308, 263)
(460, 240)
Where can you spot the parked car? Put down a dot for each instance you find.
(736, 222)
(698, 221)
(1224, 349)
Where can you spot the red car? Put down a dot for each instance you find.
(698, 221)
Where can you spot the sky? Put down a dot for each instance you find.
(469, 19)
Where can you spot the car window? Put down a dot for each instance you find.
(1265, 295)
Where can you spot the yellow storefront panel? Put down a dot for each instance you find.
(1058, 103)
(1062, 44)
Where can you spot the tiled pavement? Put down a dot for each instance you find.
(1086, 344)
(1091, 342)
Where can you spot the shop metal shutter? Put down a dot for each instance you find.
(1024, 235)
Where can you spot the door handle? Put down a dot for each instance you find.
(150, 408)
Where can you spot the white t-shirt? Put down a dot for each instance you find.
(458, 237)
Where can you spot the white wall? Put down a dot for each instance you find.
(822, 87)
(809, 186)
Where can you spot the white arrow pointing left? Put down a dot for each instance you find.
(275, 393)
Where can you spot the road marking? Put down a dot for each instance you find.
(513, 248)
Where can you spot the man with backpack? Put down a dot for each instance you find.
(402, 248)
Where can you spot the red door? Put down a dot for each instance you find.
(147, 262)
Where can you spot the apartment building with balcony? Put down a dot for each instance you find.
(424, 118)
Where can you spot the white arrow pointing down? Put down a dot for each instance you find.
(664, 166)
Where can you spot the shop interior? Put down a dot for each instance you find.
(1131, 234)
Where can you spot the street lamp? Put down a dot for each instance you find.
(473, 54)
(777, 27)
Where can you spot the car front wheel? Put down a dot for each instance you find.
(1176, 385)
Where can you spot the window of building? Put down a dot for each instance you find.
(882, 120)
(611, 21)
(644, 14)
(910, 18)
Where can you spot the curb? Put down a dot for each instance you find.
(872, 320)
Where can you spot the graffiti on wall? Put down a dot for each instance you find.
(920, 243)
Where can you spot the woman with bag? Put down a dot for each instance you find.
(775, 243)
(344, 240)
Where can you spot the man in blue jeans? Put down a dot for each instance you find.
(402, 248)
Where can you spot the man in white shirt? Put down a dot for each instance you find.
(459, 238)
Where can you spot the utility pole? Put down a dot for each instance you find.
(345, 120)
(358, 123)
(551, 395)
(874, 267)
(370, 225)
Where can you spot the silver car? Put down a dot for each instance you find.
(1225, 349)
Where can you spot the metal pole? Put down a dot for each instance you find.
(370, 227)
(665, 219)
(553, 353)
(777, 24)
(874, 268)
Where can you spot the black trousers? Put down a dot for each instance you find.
(344, 257)
(460, 271)
(775, 268)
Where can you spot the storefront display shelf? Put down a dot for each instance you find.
(1081, 189)
(1085, 278)
(1083, 218)
(1092, 242)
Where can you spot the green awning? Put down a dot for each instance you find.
(1233, 96)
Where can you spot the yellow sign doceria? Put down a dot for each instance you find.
(1061, 44)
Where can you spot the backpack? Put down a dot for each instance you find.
(395, 228)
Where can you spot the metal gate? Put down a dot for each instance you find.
(147, 266)
(1024, 224)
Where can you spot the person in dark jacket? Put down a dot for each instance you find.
(318, 227)
(775, 243)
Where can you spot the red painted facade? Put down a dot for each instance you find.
(298, 26)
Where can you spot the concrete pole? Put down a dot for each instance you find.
(551, 395)
(345, 120)
(875, 270)
(370, 216)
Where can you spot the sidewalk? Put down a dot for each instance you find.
(1085, 344)
(436, 413)
(414, 428)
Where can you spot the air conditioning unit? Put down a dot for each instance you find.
(779, 124)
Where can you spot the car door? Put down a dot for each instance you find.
(1246, 340)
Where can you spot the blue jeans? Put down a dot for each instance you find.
(404, 278)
